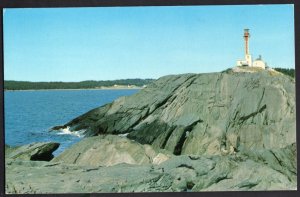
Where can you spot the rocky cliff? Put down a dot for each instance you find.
(202, 114)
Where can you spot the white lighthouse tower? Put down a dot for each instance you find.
(248, 58)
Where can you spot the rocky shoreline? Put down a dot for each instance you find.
(243, 171)
(229, 131)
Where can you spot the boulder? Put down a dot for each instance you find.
(110, 150)
(41, 151)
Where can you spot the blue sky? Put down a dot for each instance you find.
(75, 44)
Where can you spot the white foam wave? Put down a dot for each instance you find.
(123, 135)
(67, 131)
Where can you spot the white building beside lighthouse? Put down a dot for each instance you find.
(248, 58)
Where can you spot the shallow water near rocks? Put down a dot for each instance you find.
(29, 115)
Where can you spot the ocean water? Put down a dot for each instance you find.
(29, 115)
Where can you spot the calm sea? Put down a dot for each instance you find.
(29, 115)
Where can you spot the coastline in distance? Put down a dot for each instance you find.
(108, 84)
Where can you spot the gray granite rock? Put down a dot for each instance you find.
(202, 114)
(110, 150)
(237, 172)
(40, 151)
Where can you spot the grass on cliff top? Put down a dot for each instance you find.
(274, 72)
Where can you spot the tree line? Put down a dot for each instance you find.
(287, 71)
(27, 85)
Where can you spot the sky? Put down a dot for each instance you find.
(108, 43)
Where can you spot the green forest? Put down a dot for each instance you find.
(27, 85)
(286, 71)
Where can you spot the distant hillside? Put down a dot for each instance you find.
(286, 71)
(27, 85)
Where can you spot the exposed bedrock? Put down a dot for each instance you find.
(202, 114)
(241, 171)
(110, 150)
